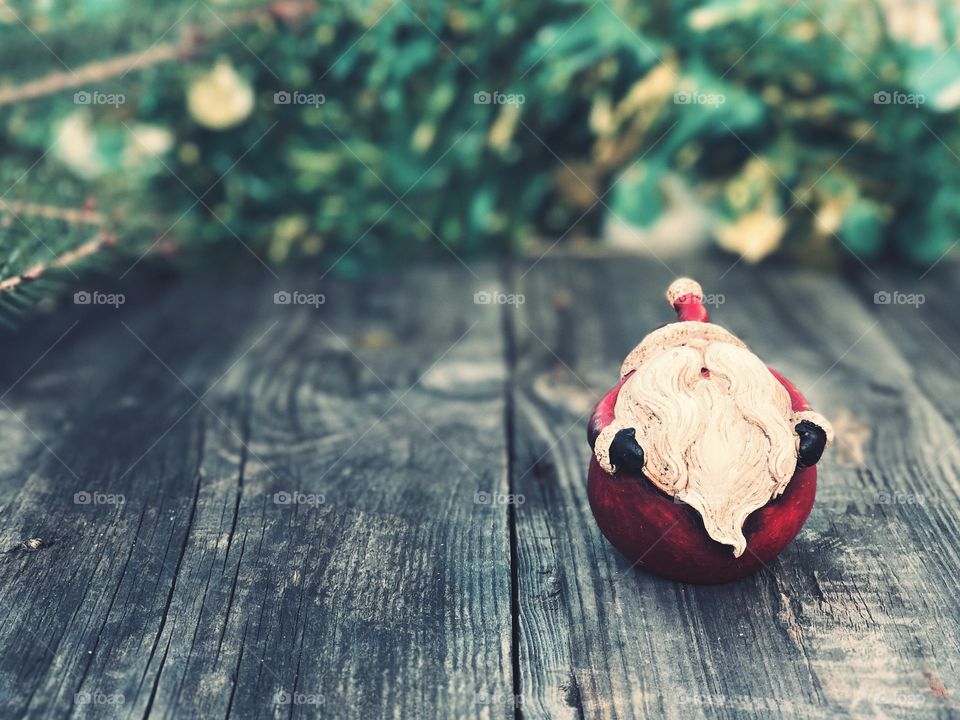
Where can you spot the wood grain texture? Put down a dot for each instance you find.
(858, 618)
(380, 588)
(377, 507)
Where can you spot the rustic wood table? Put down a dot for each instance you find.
(215, 505)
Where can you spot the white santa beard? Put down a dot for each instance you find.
(722, 443)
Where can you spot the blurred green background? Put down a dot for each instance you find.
(359, 135)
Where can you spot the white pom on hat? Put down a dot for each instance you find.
(683, 286)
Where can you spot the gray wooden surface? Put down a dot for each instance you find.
(218, 506)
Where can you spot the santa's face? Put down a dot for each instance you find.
(716, 427)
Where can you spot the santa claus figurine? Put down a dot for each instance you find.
(703, 458)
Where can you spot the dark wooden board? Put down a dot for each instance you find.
(453, 568)
(858, 618)
(201, 596)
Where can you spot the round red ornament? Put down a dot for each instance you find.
(703, 458)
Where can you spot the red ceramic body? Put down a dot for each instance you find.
(668, 538)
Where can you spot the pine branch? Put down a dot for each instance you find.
(288, 11)
(101, 241)
(77, 216)
(93, 73)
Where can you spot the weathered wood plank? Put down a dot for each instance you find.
(382, 589)
(202, 596)
(858, 618)
(885, 631)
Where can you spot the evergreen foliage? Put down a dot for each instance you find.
(363, 134)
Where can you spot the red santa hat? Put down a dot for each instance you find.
(686, 296)
(692, 321)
